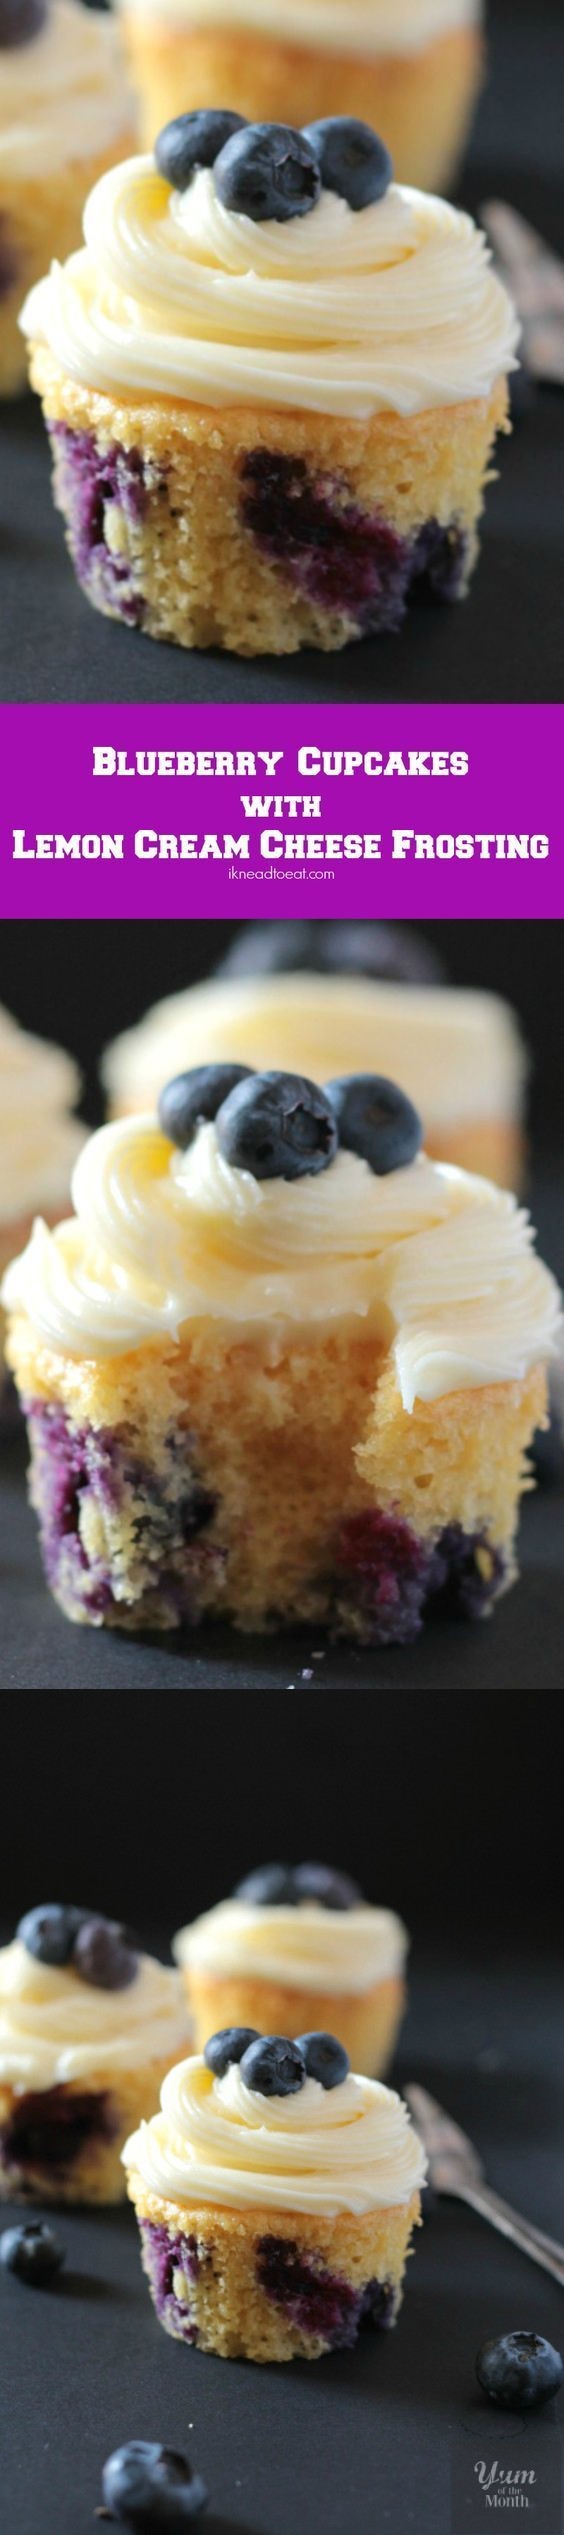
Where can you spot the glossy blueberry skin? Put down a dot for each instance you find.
(50, 1931)
(191, 141)
(273, 2066)
(192, 1100)
(325, 2058)
(102, 1955)
(326, 948)
(33, 2252)
(229, 2045)
(519, 2371)
(268, 172)
(277, 1126)
(150, 2487)
(333, 1891)
(20, 21)
(267, 1885)
(376, 1120)
(352, 160)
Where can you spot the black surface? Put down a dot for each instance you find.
(357, 2444)
(504, 644)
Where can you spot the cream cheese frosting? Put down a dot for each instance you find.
(304, 1948)
(351, 2148)
(368, 27)
(393, 308)
(437, 1262)
(456, 1052)
(39, 1141)
(62, 95)
(55, 2027)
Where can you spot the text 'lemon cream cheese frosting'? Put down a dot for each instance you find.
(55, 2027)
(304, 1948)
(349, 2149)
(392, 308)
(62, 95)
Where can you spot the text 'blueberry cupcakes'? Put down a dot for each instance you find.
(272, 380)
(279, 1366)
(276, 2195)
(88, 2027)
(39, 1142)
(298, 1944)
(64, 117)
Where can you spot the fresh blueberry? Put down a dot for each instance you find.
(352, 161)
(50, 1932)
(356, 949)
(323, 1884)
(191, 1100)
(33, 2252)
(103, 1956)
(325, 2058)
(150, 2487)
(278, 1126)
(268, 172)
(377, 1120)
(273, 2066)
(519, 2370)
(266, 1886)
(20, 21)
(228, 2045)
(192, 141)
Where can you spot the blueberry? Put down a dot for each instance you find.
(268, 172)
(20, 21)
(278, 1126)
(266, 1886)
(192, 141)
(33, 2252)
(273, 2066)
(377, 1120)
(325, 2058)
(321, 1883)
(49, 1932)
(229, 2045)
(356, 949)
(352, 161)
(192, 1099)
(519, 2370)
(150, 2487)
(103, 1956)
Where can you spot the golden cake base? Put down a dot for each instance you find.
(96, 2174)
(230, 2311)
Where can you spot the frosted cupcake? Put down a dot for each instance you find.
(64, 117)
(298, 1945)
(279, 1366)
(273, 382)
(39, 1141)
(88, 2028)
(411, 66)
(457, 1053)
(276, 2196)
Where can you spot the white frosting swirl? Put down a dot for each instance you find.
(438, 1262)
(457, 1053)
(55, 2028)
(306, 1948)
(62, 96)
(367, 27)
(321, 2151)
(344, 312)
(39, 1142)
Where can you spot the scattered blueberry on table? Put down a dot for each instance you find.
(150, 2488)
(33, 2252)
(519, 2371)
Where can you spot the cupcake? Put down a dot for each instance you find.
(272, 384)
(279, 1366)
(456, 1052)
(88, 2028)
(294, 1944)
(39, 1141)
(412, 66)
(276, 2195)
(64, 117)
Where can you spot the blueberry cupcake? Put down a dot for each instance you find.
(279, 1366)
(413, 67)
(457, 1052)
(39, 1142)
(64, 117)
(298, 1943)
(276, 2195)
(88, 2028)
(272, 380)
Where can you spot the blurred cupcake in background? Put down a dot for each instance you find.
(64, 117)
(297, 1947)
(88, 2028)
(39, 1142)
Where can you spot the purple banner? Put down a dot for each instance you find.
(258, 810)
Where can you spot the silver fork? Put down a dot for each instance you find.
(456, 2171)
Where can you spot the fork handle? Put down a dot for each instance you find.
(542, 2249)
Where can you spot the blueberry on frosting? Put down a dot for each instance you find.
(20, 22)
(49, 1932)
(273, 2066)
(228, 2045)
(269, 1886)
(191, 1099)
(268, 172)
(97, 1949)
(325, 2058)
(352, 160)
(376, 1120)
(192, 141)
(278, 1126)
